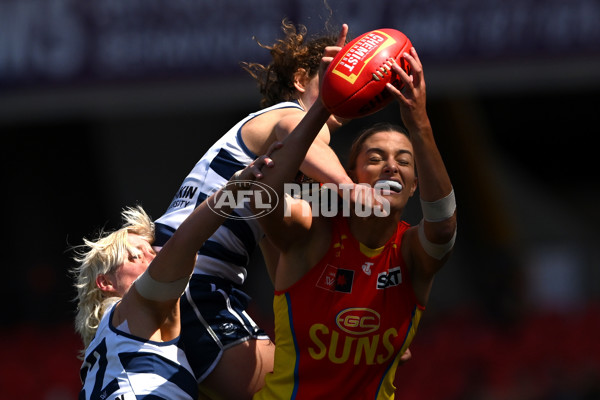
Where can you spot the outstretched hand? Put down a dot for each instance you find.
(331, 51)
(412, 97)
(254, 170)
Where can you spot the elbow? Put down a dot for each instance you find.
(446, 230)
(442, 231)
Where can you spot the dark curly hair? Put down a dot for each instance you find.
(296, 50)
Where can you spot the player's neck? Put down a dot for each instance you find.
(373, 231)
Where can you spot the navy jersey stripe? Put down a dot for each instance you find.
(242, 231)
(225, 164)
(216, 250)
(239, 228)
(201, 197)
(148, 363)
(162, 233)
(240, 142)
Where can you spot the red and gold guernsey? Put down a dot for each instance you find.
(341, 329)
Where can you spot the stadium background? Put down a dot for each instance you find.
(105, 104)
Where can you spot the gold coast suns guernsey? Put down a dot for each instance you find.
(341, 329)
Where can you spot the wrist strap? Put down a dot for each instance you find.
(152, 289)
(439, 210)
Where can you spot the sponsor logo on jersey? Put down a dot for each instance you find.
(184, 197)
(392, 277)
(336, 279)
(366, 267)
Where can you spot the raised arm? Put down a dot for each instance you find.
(433, 239)
(154, 295)
(306, 147)
(288, 160)
(320, 162)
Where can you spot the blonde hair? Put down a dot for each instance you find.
(101, 256)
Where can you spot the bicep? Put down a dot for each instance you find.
(144, 317)
(422, 267)
(288, 223)
(270, 255)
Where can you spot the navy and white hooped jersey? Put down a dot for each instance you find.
(227, 252)
(120, 366)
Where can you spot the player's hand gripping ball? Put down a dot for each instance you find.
(354, 83)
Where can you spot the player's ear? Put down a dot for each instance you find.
(300, 79)
(104, 283)
(413, 187)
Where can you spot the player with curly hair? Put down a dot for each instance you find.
(229, 353)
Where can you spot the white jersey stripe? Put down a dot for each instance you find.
(119, 365)
(228, 155)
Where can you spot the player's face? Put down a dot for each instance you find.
(384, 157)
(124, 275)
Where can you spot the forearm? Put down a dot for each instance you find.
(176, 258)
(434, 182)
(437, 230)
(290, 157)
(287, 161)
(322, 164)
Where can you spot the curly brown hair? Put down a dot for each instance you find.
(296, 50)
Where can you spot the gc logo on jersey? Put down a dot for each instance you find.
(358, 321)
(392, 277)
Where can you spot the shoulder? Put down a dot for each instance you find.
(289, 119)
(304, 253)
(279, 111)
(265, 127)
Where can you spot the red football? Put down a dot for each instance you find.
(354, 84)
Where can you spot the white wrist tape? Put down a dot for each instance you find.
(152, 289)
(437, 251)
(439, 210)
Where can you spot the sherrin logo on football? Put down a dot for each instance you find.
(358, 56)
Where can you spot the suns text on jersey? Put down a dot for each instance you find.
(340, 348)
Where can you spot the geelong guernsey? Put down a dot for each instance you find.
(341, 329)
(120, 366)
(227, 253)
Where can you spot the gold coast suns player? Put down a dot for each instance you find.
(350, 289)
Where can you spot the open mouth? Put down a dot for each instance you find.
(388, 185)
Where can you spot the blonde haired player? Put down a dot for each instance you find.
(128, 304)
(229, 353)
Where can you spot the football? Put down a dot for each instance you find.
(354, 83)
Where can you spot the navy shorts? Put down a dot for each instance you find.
(214, 318)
